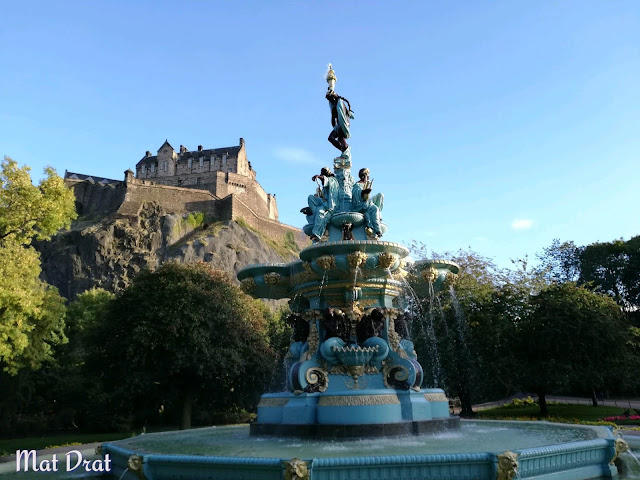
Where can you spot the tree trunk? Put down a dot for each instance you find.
(594, 398)
(465, 402)
(185, 423)
(542, 401)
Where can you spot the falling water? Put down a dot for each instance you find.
(324, 279)
(355, 276)
(431, 337)
(443, 320)
(427, 329)
(633, 455)
(460, 320)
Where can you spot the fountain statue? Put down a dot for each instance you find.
(353, 378)
(349, 364)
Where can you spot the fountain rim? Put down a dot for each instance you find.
(602, 432)
(451, 266)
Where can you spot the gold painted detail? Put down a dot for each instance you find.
(356, 259)
(306, 275)
(134, 464)
(296, 469)
(271, 278)
(430, 274)
(507, 466)
(342, 370)
(394, 338)
(326, 262)
(450, 279)
(399, 274)
(357, 400)
(248, 285)
(386, 287)
(621, 446)
(273, 402)
(386, 259)
(313, 339)
(436, 397)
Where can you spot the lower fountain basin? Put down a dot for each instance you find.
(544, 451)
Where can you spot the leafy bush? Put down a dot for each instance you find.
(521, 403)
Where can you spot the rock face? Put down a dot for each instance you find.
(111, 252)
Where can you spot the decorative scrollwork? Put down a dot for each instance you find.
(356, 259)
(326, 262)
(271, 278)
(395, 376)
(317, 379)
(386, 259)
(248, 285)
(296, 469)
(507, 466)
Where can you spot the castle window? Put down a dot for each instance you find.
(224, 160)
(190, 162)
(199, 180)
(179, 181)
(144, 169)
(165, 165)
(153, 167)
(201, 162)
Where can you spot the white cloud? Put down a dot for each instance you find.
(294, 155)
(522, 224)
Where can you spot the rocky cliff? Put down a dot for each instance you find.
(110, 252)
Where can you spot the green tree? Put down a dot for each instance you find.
(183, 333)
(573, 340)
(560, 262)
(31, 312)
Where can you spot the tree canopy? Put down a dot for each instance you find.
(185, 332)
(31, 312)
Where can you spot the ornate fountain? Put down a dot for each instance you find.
(353, 373)
(350, 362)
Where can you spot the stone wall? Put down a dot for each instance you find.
(171, 199)
(128, 198)
(96, 198)
(270, 228)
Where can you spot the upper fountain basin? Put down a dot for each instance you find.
(345, 259)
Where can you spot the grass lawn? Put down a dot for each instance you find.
(558, 410)
(9, 446)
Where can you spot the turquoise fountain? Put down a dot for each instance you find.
(355, 406)
(353, 371)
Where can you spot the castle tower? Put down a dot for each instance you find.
(166, 160)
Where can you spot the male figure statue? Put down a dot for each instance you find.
(369, 206)
(340, 115)
(323, 203)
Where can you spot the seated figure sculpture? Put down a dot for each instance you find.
(323, 203)
(364, 203)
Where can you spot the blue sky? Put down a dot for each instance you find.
(498, 125)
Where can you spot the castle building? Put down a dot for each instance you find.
(219, 182)
(221, 171)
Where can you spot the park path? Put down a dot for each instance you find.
(609, 402)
